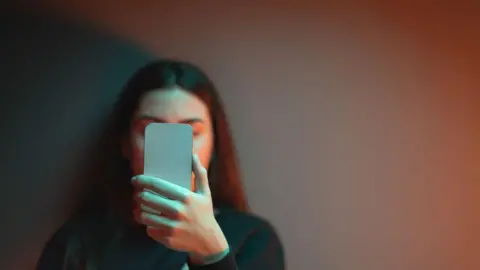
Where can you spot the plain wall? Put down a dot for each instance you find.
(357, 125)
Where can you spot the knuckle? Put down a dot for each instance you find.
(189, 199)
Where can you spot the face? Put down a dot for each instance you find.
(172, 105)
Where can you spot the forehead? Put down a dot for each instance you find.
(172, 104)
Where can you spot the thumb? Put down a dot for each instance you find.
(201, 177)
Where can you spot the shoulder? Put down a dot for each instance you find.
(54, 250)
(253, 240)
(61, 234)
(65, 241)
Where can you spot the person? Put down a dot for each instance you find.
(121, 226)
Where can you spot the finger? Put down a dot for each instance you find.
(138, 212)
(168, 241)
(159, 222)
(141, 207)
(201, 177)
(160, 204)
(147, 209)
(157, 233)
(162, 187)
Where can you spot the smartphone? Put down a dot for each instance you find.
(168, 152)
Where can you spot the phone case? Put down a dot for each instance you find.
(168, 152)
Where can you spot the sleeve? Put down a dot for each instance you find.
(261, 250)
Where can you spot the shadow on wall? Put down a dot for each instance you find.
(57, 80)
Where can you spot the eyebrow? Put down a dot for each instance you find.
(189, 121)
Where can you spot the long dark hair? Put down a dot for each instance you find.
(106, 207)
